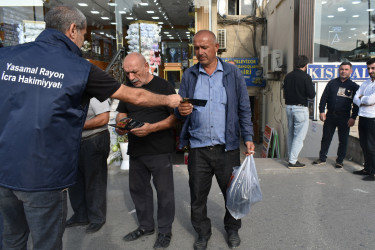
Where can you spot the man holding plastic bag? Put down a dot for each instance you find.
(216, 110)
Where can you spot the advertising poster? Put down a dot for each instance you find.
(250, 69)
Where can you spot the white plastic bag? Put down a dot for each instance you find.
(244, 189)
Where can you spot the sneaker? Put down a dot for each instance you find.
(339, 165)
(296, 165)
(318, 162)
(163, 241)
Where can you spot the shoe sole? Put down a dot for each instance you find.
(296, 167)
(76, 224)
(318, 164)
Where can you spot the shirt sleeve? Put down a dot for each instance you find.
(99, 107)
(121, 107)
(100, 84)
(356, 99)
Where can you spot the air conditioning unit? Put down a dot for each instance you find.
(275, 60)
(222, 38)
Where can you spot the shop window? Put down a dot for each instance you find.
(344, 30)
(240, 7)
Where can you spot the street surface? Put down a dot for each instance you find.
(317, 207)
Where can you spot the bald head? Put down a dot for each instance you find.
(137, 69)
(135, 56)
(206, 34)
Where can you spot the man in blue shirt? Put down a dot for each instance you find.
(212, 131)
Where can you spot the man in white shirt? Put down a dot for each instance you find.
(365, 100)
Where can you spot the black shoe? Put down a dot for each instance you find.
(369, 177)
(93, 227)
(201, 242)
(318, 162)
(74, 221)
(361, 172)
(339, 165)
(233, 238)
(296, 165)
(136, 234)
(163, 241)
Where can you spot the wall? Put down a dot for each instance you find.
(280, 35)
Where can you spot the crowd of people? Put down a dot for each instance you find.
(75, 113)
(340, 104)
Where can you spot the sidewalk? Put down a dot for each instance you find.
(310, 208)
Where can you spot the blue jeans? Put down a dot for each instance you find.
(298, 124)
(41, 214)
(332, 121)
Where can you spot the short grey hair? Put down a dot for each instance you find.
(61, 17)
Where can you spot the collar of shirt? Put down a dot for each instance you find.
(219, 67)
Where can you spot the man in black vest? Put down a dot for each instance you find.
(45, 89)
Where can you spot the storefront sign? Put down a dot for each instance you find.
(326, 72)
(250, 70)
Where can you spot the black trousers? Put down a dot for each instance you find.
(140, 171)
(88, 197)
(333, 121)
(203, 164)
(366, 129)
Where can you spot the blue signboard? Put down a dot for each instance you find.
(250, 70)
(326, 72)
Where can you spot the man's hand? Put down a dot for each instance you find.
(250, 148)
(121, 131)
(351, 122)
(322, 116)
(174, 100)
(146, 129)
(185, 108)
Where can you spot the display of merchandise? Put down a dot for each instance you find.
(143, 37)
(12, 24)
(31, 30)
(9, 34)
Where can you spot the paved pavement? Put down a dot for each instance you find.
(318, 207)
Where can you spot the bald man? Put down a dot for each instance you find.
(150, 148)
(213, 131)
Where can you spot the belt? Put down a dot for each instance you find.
(214, 146)
(94, 135)
(300, 105)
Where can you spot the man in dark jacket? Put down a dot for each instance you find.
(45, 88)
(298, 88)
(212, 131)
(338, 98)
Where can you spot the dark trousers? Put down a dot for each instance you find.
(140, 171)
(204, 163)
(333, 121)
(366, 129)
(41, 214)
(88, 197)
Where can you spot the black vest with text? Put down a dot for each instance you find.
(41, 88)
